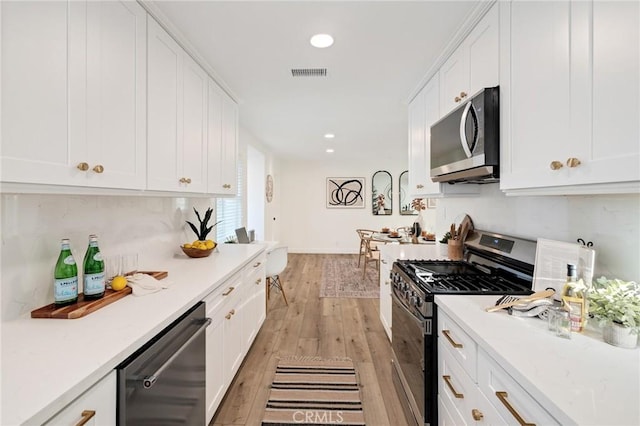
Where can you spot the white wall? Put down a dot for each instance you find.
(308, 226)
(611, 222)
(33, 225)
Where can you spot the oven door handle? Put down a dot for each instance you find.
(420, 322)
(149, 381)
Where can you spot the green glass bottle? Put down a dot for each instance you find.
(93, 268)
(65, 276)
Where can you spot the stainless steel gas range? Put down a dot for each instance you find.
(493, 264)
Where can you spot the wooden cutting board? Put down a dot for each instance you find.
(84, 307)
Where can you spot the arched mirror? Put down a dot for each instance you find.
(405, 200)
(382, 193)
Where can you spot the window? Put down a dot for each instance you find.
(229, 210)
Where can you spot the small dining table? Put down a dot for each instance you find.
(402, 238)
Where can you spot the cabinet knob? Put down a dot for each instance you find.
(83, 166)
(188, 180)
(555, 165)
(228, 316)
(463, 95)
(573, 162)
(98, 168)
(86, 416)
(419, 186)
(457, 99)
(185, 180)
(477, 414)
(258, 281)
(226, 186)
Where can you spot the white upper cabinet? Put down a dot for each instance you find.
(222, 142)
(74, 93)
(474, 65)
(570, 97)
(177, 106)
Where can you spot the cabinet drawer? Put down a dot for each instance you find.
(254, 272)
(98, 405)
(511, 400)
(222, 294)
(458, 342)
(455, 387)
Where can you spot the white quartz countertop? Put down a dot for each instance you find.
(579, 381)
(412, 251)
(47, 363)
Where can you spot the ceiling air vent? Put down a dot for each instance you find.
(309, 72)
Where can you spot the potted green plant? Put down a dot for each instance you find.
(616, 305)
(443, 247)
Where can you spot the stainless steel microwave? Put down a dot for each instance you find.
(465, 144)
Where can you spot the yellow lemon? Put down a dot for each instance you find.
(187, 245)
(195, 243)
(210, 244)
(118, 283)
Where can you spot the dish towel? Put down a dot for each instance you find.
(143, 284)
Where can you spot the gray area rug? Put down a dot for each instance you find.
(341, 277)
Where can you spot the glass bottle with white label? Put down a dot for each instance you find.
(93, 268)
(65, 276)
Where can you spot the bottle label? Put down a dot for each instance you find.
(69, 260)
(65, 289)
(93, 283)
(577, 313)
(97, 257)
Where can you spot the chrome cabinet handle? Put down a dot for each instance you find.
(83, 166)
(229, 290)
(98, 168)
(556, 165)
(86, 416)
(502, 396)
(149, 381)
(453, 343)
(447, 380)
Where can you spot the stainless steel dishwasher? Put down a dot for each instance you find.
(163, 383)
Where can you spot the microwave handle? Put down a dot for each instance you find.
(463, 134)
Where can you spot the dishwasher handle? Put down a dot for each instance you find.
(149, 381)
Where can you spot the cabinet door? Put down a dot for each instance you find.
(115, 106)
(222, 142)
(229, 155)
(35, 109)
(194, 128)
(418, 166)
(215, 367)
(536, 101)
(611, 148)
(484, 52)
(98, 405)
(454, 79)
(385, 294)
(164, 109)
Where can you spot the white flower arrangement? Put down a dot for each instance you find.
(616, 301)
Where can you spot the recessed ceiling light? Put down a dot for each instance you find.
(321, 41)
(329, 135)
(330, 150)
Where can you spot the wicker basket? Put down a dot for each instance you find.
(193, 252)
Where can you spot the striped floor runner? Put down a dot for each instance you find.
(314, 391)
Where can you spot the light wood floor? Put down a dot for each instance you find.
(314, 326)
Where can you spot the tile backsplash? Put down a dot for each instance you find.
(33, 225)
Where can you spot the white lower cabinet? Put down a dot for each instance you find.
(95, 407)
(254, 306)
(474, 389)
(237, 311)
(386, 262)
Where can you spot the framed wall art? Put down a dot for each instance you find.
(345, 193)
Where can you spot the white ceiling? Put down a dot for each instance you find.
(381, 53)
